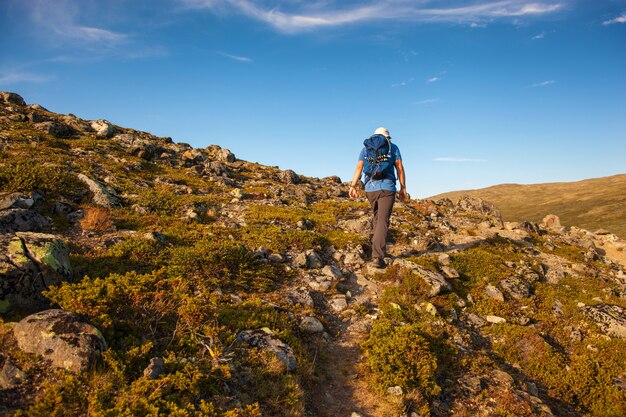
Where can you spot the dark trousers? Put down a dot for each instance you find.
(382, 203)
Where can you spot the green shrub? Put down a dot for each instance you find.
(400, 355)
(28, 174)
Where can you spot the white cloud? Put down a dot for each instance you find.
(236, 57)
(457, 159)
(620, 19)
(428, 101)
(539, 36)
(403, 83)
(542, 84)
(433, 80)
(14, 77)
(297, 16)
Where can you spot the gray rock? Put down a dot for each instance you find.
(266, 340)
(557, 308)
(299, 296)
(16, 200)
(22, 220)
(480, 206)
(54, 128)
(492, 291)
(495, 319)
(444, 259)
(215, 168)
(450, 272)
(435, 280)
(224, 155)
(353, 258)
(331, 271)
(338, 304)
(313, 260)
(11, 98)
(311, 325)
(276, 258)
(11, 376)
(63, 337)
(103, 128)
(516, 287)
(611, 319)
(300, 261)
(555, 275)
(289, 177)
(476, 320)
(103, 195)
(155, 369)
(29, 264)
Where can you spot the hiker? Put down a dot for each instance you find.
(377, 161)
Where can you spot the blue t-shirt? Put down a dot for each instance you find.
(387, 184)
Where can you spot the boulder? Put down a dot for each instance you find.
(289, 177)
(224, 155)
(64, 338)
(551, 221)
(11, 98)
(480, 206)
(493, 292)
(267, 341)
(54, 128)
(611, 319)
(22, 220)
(16, 200)
(311, 325)
(103, 128)
(435, 280)
(29, 264)
(103, 195)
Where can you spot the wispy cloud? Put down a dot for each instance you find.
(457, 159)
(433, 80)
(539, 36)
(297, 16)
(14, 77)
(428, 101)
(403, 83)
(236, 57)
(542, 84)
(620, 19)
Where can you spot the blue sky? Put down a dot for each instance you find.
(474, 93)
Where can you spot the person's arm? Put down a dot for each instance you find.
(355, 178)
(402, 194)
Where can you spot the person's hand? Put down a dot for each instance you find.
(402, 194)
(353, 193)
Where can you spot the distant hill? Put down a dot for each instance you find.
(591, 204)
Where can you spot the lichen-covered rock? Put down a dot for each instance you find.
(103, 195)
(266, 340)
(63, 337)
(436, 281)
(300, 296)
(610, 318)
(155, 369)
(22, 220)
(516, 287)
(361, 226)
(551, 221)
(11, 376)
(311, 325)
(224, 155)
(29, 264)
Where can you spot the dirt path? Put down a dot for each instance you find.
(342, 388)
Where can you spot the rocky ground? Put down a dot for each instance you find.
(139, 276)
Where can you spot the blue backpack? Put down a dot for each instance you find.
(378, 161)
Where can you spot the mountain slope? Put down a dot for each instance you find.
(598, 203)
(143, 277)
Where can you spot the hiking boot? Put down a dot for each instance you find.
(378, 263)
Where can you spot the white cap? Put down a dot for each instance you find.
(382, 131)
